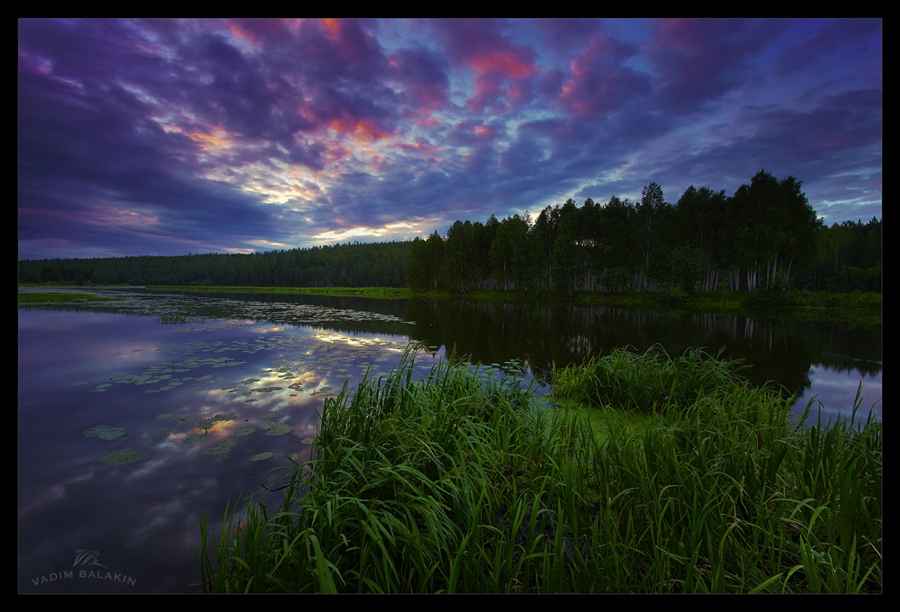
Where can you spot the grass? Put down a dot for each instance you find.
(650, 382)
(61, 298)
(452, 484)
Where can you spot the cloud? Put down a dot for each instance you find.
(599, 82)
(700, 60)
(840, 37)
(168, 136)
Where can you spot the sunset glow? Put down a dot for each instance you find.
(163, 137)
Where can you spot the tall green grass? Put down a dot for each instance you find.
(649, 382)
(452, 484)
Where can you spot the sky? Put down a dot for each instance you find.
(169, 137)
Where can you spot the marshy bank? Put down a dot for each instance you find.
(466, 483)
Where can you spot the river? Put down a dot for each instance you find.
(137, 415)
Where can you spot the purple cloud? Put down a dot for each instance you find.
(167, 136)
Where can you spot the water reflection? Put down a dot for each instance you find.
(830, 391)
(161, 362)
(156, 384)
(775, 348)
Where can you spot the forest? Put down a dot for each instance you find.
(765, 236)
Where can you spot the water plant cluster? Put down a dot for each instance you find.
(452, 483)
(650, 382)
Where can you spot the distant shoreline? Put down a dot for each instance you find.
(865, 308)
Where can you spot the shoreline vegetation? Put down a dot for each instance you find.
(62, 298)
(857, 307)
(731, 302)
(463, 483)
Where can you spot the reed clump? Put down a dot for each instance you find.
(454, 484)
(649, 382)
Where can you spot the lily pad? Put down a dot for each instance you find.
(122, 457)
(105, 432)
(221, 449)
(267, 389)
(240, 433)
(207, 423)
(306, 441)
(277, 429)
(162, 431)
(262, 456)
(164, 416)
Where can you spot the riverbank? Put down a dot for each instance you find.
(61, 298)
(455, 484)
(722, 301)
(857, 307)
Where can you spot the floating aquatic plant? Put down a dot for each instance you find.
(262, 456)
(164, 416)
(207, 423)
(105, 432)
(276, 429)
(122, 457)
(225, 447)
(162, 431)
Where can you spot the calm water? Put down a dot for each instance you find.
(149, 367)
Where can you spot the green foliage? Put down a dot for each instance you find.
(461, 484)
(426, 258)
(346, 265)
(57, 298)
(648, 382)
(765, 235)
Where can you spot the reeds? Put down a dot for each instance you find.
(647, 382)
(452, 484)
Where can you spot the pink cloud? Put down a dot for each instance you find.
(507, 63)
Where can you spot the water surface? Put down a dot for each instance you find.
(211, 393)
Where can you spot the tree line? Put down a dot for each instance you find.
(764, 236)
(344, 265)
